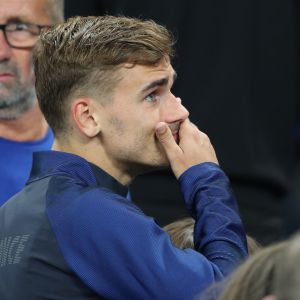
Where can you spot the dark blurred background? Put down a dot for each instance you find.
(238, 67)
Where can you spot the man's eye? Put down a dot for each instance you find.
(21, 26)
(151, 98)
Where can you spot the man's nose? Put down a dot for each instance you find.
(5, 49)
(174, 111)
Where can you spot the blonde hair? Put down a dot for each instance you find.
(287, 279)
(182, 235)
(254, 279)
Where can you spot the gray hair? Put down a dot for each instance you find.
(55, 10)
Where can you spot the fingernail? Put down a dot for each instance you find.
(161, 128)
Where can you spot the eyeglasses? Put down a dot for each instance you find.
(21, 35)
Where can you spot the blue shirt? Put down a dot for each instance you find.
(16, 161)
(77, 236)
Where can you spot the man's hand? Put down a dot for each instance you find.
(194, 146)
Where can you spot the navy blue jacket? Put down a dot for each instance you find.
(71, 233)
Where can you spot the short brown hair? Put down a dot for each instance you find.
(78, 56)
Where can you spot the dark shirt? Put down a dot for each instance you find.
(72, 234)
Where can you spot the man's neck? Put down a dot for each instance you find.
(93, 152)
(30, 126)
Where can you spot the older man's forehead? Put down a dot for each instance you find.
(30, 11)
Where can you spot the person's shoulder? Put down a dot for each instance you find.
(69, 194)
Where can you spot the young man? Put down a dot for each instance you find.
(104, 86)
(23, 128)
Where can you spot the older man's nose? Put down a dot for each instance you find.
(5, 49)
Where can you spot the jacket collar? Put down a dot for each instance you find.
(49, 163)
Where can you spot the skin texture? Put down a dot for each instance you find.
(139, 129)
(18, 105)
(129, 121)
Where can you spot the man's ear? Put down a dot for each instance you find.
(84, 113)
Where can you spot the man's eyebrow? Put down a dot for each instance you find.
(157, 83)
(17, 19)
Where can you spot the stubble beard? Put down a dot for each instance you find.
(136, 163)
(157, 159)
(137, 158)
(15, 98)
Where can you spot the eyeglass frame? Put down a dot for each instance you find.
(38, 26)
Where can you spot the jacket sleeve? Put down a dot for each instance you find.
(122, 254)
(218, 232)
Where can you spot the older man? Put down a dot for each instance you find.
(104, 86)
(23, 128)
